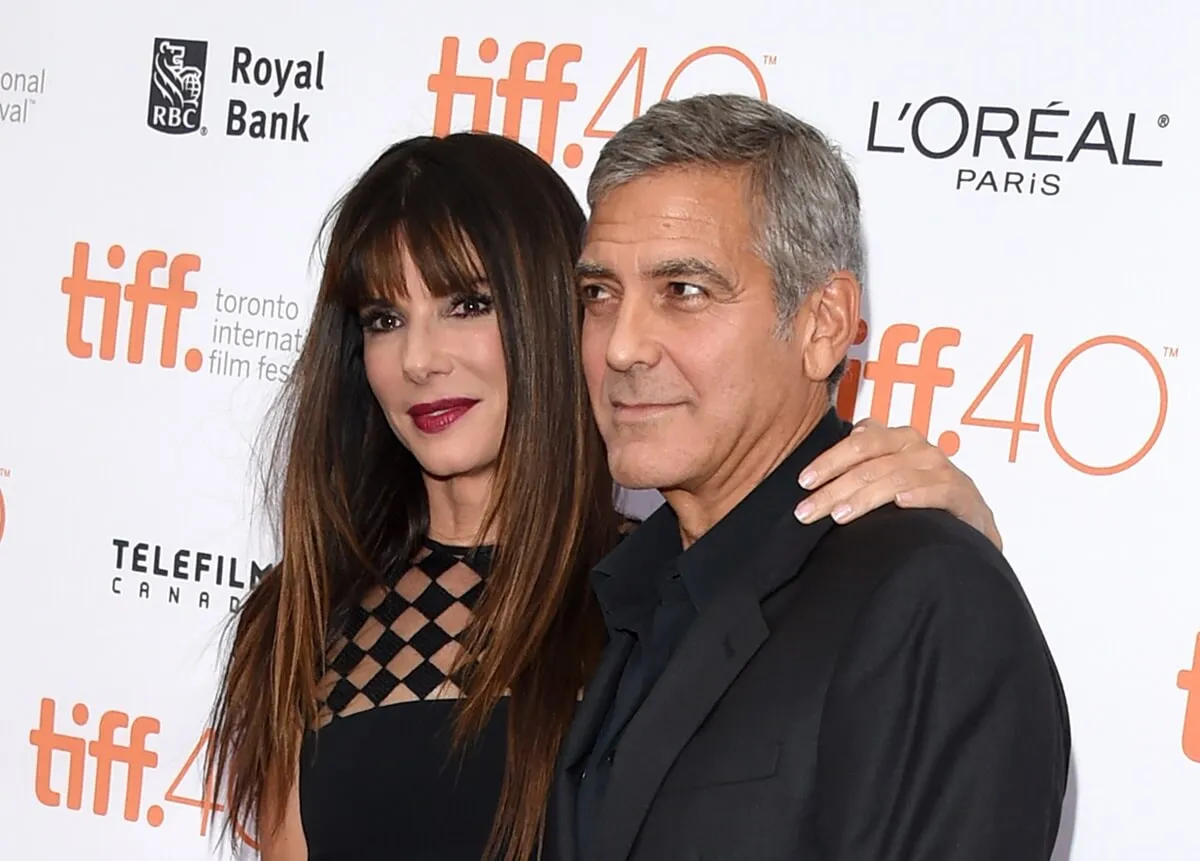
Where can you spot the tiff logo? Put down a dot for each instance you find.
(141, 295)
(551, 91)
(176, 86)
(104, 751)
(887, 371)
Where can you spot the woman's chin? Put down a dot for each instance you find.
(447, 467)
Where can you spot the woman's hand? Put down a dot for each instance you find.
(876, 465)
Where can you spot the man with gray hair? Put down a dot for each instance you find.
(771, 688)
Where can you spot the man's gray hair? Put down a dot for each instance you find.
(802, 198)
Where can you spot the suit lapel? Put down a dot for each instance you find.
(713, 653)
(579, 740)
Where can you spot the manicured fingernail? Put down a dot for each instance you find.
(903, 497)
(808, 479)
(804, 512)
(841, 513)
(859, 429)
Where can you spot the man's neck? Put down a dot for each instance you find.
(457, 507)
(699, 509)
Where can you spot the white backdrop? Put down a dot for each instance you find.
(1056, 238)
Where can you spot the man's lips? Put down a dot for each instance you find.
(633, 411)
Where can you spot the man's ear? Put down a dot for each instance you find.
(830, 324)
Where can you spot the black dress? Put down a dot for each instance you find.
(377, 778)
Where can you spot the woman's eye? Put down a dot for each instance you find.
(380, 321)
(472, 306)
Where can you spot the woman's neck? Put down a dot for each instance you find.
(457, 507)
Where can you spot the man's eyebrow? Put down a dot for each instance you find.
(691, 267)
(672, 268)
(588, 269)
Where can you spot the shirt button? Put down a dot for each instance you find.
(612, 754)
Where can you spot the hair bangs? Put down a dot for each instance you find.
(426, 229)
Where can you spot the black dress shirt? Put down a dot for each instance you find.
(652, 589)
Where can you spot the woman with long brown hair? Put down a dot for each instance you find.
(400, 682)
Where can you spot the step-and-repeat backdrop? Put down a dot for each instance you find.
(1030, 181)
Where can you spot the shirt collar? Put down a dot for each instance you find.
(626, 579)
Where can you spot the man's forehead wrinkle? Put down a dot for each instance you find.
(672, 222)
(653, 229)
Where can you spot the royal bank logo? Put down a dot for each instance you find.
(177, 86)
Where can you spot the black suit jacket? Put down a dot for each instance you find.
(879, 691)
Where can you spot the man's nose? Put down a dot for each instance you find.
(632, 340)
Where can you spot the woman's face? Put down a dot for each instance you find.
(436, 367)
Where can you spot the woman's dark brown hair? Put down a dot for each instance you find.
(350, 499)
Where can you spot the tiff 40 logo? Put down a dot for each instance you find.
(92, 750)
(553, 90)
(928, 374)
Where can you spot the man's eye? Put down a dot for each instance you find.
(593, 292)
(683, 290)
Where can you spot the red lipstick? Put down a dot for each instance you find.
(436, 416)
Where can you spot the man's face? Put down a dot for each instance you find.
(684, 366)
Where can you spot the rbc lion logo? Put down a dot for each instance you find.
(177, 86)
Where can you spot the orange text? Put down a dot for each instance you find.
(101, 751)
(140, 295)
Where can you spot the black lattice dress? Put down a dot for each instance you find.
(377, 778)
